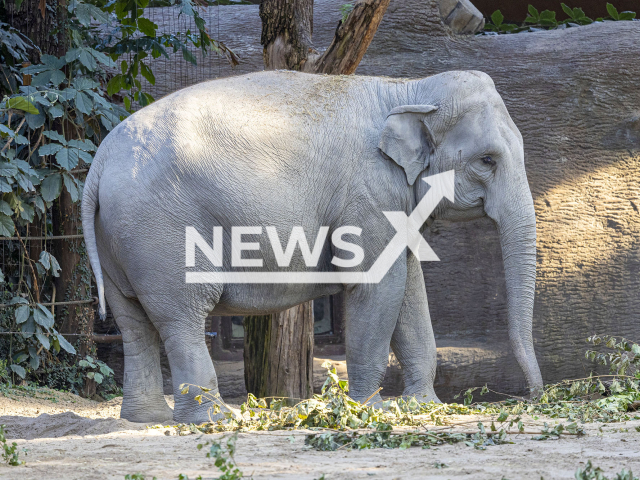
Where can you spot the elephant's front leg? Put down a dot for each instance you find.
(413, 342)
(371, 312)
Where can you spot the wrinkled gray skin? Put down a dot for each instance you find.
(287, 149)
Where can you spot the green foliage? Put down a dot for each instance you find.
(596, 473)
(136, 38)
(9, 452)
(497, 24)
(136, 476)
(546, 19)
(625, 355)
(95, 369)
(614, 15)
(223, 452)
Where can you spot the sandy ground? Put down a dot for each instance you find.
(68, 437)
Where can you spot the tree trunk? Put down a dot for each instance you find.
(278, 348)
(37, 19)
(278, 353)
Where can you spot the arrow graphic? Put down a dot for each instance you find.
(407, 234)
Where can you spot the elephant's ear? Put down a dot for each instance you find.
(407, 138)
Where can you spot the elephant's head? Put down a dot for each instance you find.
(459, 122)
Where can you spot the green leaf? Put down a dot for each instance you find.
(6, 226)
(22, 313)
(87, 60)
(84, 83)
(102, 58)
(147, 73)
(64, 344)
(627, 15)
(39, 203)
(8, 169)
(83, 103)
(71, 187)
(18, 370)
(42, 79)
(145, 99)
(49, 262)
(613, 11)
(28, 328)
(548, 17)
(53, 135)
(567, 10)
(497, 18)
(43, 317)
(86, 145)
(51, 187)
(147, 27)
(5, 208)
(26, 212)
(21, 103)
(189, 57)
(533, 11)
(114, 85)
(49, 149)
(44, 340)
(56, 344)
(98, 377)
(63, 159)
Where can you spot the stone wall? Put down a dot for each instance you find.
(574, 95)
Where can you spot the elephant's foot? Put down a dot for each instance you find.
(188, 410)
(141, 410)
(422, 397)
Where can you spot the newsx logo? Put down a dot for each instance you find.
(407, 235)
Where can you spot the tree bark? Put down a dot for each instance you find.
(278, 353)
(38, 22)
(287, 28)
(278, 349)
(352, 39)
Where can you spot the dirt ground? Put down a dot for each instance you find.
(68, 437)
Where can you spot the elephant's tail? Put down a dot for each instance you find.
(89, 208)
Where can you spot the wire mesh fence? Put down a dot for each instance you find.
(48, 292)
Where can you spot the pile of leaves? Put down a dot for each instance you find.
(401, 423)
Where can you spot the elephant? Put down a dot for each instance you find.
(289, 150)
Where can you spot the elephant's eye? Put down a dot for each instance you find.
(488, 160)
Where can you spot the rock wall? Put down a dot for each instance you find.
(573, 94)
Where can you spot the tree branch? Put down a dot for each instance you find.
(352, 39)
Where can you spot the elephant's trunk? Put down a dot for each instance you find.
(516, 224)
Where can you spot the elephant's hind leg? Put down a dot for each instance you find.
(180, 317)
(143, 399)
